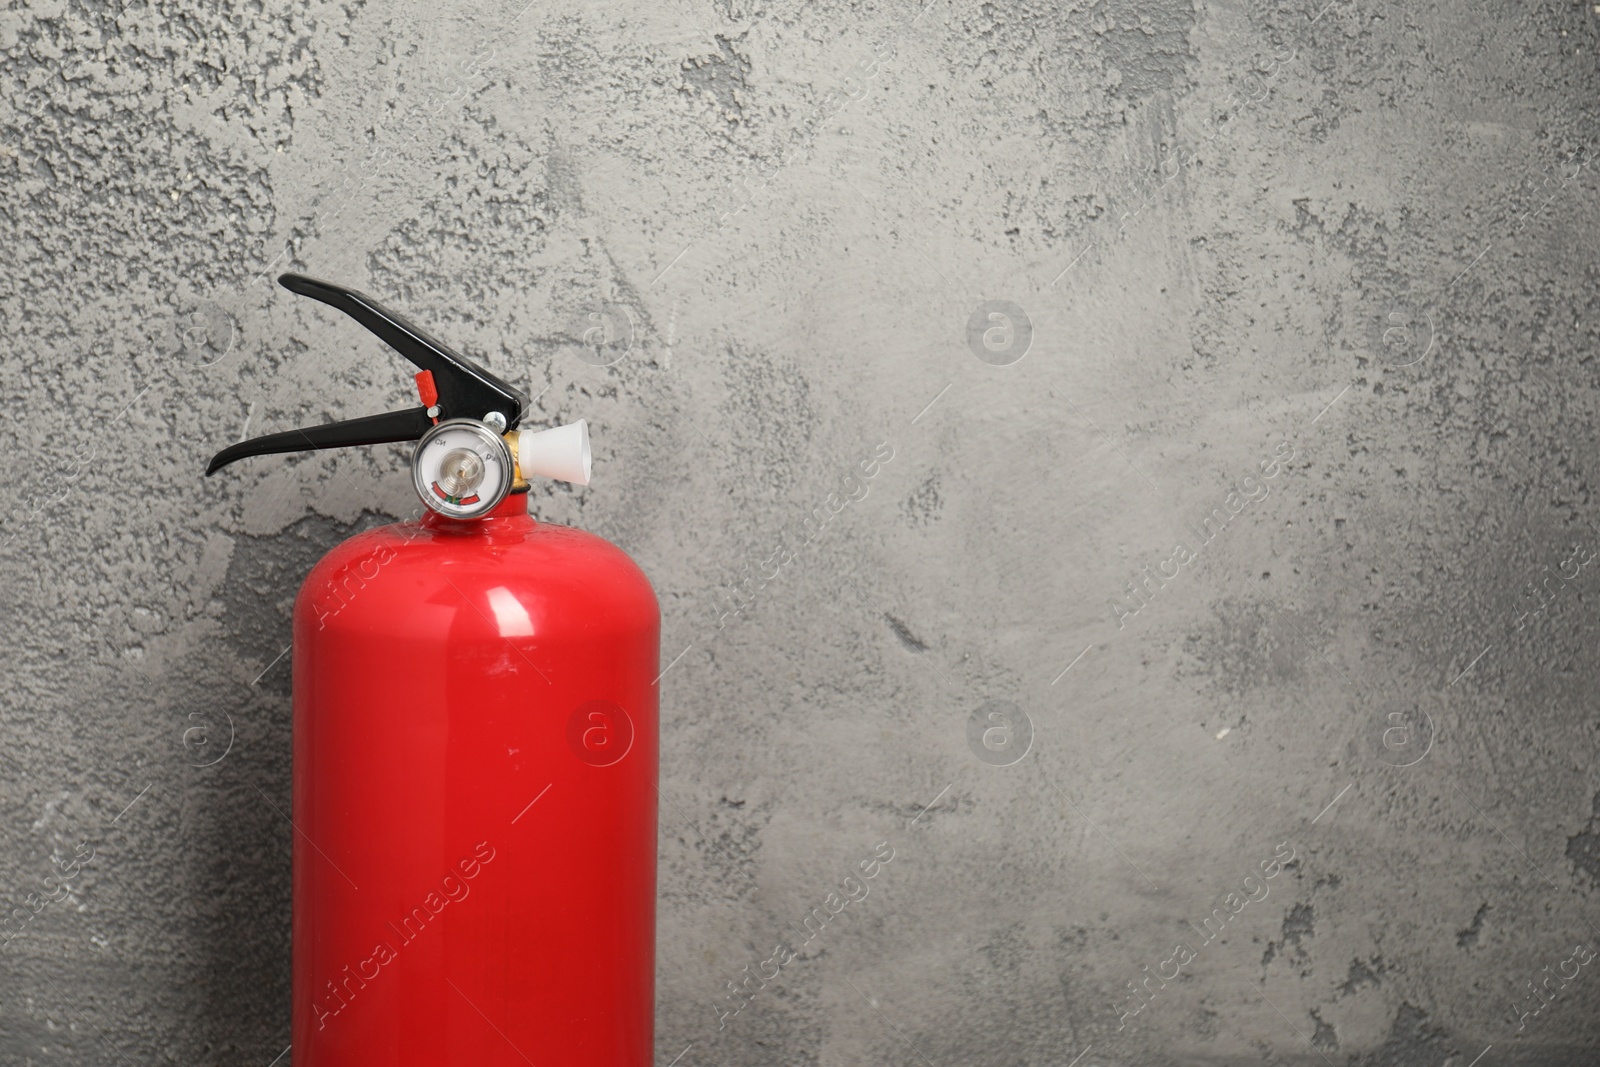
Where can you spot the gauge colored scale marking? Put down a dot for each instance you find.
(447, 498)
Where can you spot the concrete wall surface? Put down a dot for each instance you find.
(1228, 559)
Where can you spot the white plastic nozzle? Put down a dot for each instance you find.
(561, 453)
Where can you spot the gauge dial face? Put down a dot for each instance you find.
(462, 469)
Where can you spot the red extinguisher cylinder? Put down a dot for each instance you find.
(475, 756)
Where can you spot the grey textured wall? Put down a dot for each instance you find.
(1264, 509)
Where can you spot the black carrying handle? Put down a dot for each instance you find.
(407, 425)
(465, 390)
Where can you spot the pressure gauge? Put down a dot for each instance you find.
(462, 469)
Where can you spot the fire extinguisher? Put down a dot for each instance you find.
(474, 796)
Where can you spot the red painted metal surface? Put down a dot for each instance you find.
(474, 799)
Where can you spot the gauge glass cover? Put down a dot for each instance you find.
(462, 469)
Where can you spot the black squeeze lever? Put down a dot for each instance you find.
(464, 389)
